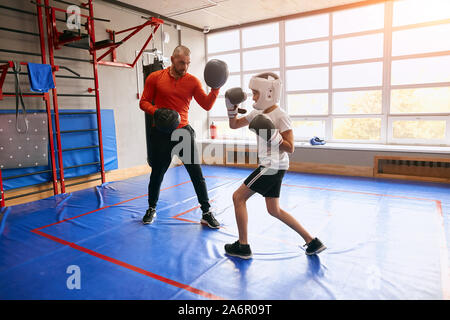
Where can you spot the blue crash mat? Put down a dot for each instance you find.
(386, 239)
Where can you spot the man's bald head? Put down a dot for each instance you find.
(181, 50)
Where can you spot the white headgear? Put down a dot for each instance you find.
(269, 89)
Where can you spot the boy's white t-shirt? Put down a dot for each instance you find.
(273, 157)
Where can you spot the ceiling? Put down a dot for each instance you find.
(225, 13)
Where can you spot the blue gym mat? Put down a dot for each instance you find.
(386, 239)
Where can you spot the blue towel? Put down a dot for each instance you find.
(316, 141)
(41, 77)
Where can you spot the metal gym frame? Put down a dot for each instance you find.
(55, 40)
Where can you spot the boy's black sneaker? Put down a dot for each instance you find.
(150, 215)
(236, 249)
(314, 247)
(209, 220)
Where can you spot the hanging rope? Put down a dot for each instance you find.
(19, 97)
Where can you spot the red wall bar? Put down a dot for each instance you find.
(55, 98)
(47, 98)
(97, 93)
(2, 198)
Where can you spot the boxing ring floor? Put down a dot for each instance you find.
(386, 239)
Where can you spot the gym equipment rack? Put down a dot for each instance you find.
(69, 38)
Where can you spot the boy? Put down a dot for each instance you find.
(273, 149)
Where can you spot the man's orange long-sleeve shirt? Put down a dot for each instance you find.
(161, 90)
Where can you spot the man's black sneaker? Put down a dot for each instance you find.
(209, 220)
(314, 247)
(150, 215)
(238, 250)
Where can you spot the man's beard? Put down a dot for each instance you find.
(179, 73)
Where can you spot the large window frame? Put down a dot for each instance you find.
(387, 118)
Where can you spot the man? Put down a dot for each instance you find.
(173, 88)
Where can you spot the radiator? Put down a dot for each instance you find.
(433, 168)
(244, 156)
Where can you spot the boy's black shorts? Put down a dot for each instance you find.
(265, 181)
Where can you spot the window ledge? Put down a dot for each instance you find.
(377, 147)
(228, 141)
(342, 146)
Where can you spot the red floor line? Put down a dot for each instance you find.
(177, 185)
(359, 192)
(105, 207)
(189, 210)
(172, 282)
(219, 177)
(130, 267)
(445, 270)
(445, 281)
(124, 264)
(68, 219)
(336, 190)
(186, 220)
(222, 227)
(439, 207)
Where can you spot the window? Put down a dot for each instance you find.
(260, 35)
(308, 104)
(421, 70)
(357, 129)
(358, 19)
(419, 73)
(307, 53)
(410, 130)
(223, 41)
(357, 48)
(225, 132)
(307, 79)
(232, 82)
(375, 73)
(219, 110)
(357, 102)
(421, 40)
(232, 60)
(307, 28)
(417, 11)
(420, 100)
(306, 129)
(261, 59)
(358, 75)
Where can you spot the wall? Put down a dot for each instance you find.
(117, 86)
